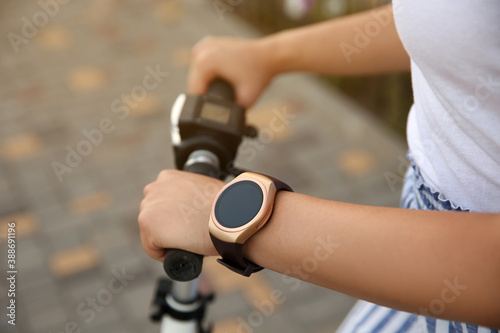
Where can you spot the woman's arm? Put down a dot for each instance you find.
(441, 264)
(363, 43)
(358, 44)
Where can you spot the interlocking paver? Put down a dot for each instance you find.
(26, 223)
(90, 202)
(73, 260)
(55, 38)
(21, 146)
(86, 79)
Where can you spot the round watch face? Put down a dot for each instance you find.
(238, 204)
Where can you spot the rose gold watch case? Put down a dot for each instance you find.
(241, 234)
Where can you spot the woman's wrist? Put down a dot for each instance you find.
(275, 51)
(265, 247)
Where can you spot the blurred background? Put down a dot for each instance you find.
(80, 136)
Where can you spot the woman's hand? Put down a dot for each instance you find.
(245, 63)
(175, 212)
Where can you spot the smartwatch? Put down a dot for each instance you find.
(240, 209)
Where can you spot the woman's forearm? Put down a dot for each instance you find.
(359, 44)
(443, 264)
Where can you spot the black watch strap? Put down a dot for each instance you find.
(280, 186)
(232, 253)
(232, 257)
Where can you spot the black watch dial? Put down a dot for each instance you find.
(238, 204)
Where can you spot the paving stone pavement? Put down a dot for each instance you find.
(64, 69)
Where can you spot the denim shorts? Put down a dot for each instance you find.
(368, 317)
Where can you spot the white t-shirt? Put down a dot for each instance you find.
(454, 125)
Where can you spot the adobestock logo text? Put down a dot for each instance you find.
(39, 19)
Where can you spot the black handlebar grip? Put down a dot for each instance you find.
(221, 89)
(182, 265)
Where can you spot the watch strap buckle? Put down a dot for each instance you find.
(245, 271)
